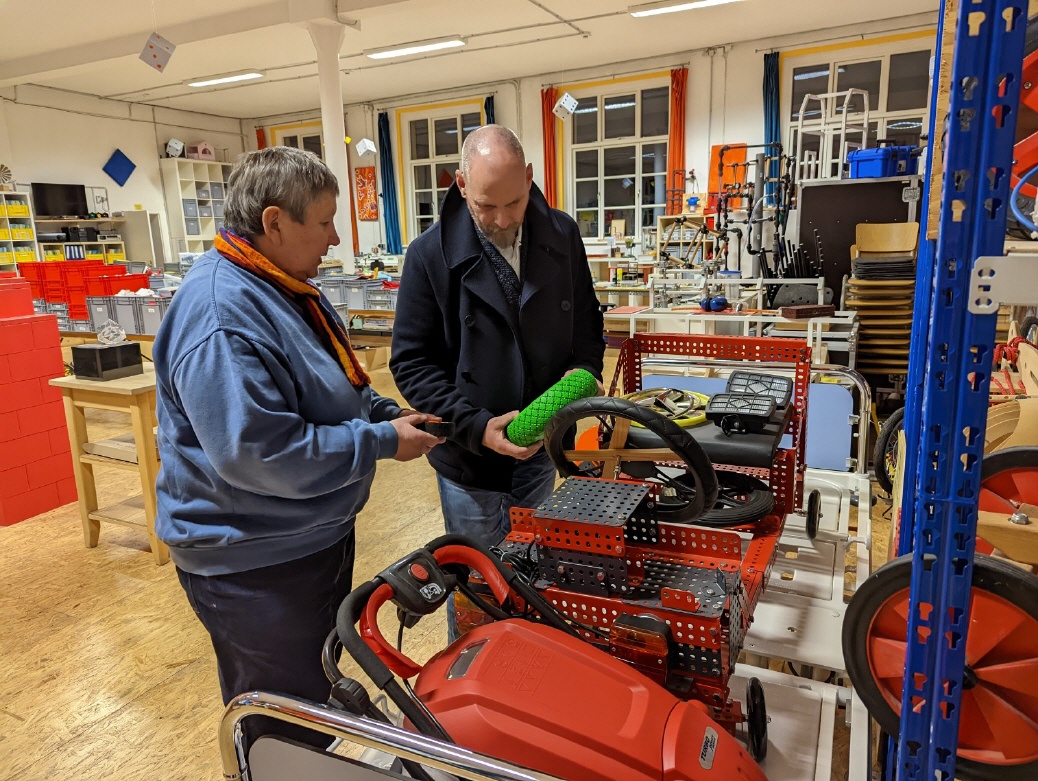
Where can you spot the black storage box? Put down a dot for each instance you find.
(107, 361)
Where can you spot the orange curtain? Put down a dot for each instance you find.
(261, 138)
(676, 141)
(551, 167)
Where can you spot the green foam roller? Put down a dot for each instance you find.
(528, 426)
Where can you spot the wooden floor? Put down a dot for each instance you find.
(105, 673)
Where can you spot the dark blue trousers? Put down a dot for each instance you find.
(268, 627)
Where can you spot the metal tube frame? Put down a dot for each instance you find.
(371, 734)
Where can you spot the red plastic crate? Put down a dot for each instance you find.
(32, 271)
(55, 292)
(75, 271)
(112, 284)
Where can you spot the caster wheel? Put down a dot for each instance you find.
(998, 725)
(814, 513)
(756, 720)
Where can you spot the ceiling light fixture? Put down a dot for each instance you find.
(669, 7)
(418, 47)
(230, 77)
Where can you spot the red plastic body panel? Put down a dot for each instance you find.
(536, 696)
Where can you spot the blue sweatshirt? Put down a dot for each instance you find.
(267, 451)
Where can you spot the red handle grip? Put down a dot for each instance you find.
(368, 624)
(460, 554)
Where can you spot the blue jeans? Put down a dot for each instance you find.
(268, 628)
(483, 515)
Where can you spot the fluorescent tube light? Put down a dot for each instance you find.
(418, 47)
(654, 9)
(244, 76)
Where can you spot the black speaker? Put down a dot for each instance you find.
(107, 361)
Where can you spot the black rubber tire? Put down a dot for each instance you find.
(992, 575)
(756, 720)
(1011, 458)
(727, 512)
(687, 450)
(1029, 324)
(814, 513)
(887, 438)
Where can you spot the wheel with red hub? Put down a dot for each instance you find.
(1009, 480)
(998, 726)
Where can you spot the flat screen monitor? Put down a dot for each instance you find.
(60, 200)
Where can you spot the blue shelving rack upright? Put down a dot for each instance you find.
(949, 372)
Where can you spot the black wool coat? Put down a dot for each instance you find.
(459, 353)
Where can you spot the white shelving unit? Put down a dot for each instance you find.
(17, 231)
(107, 250)
(195, 191)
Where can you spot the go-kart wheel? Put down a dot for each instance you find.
(884, 457)
(756, 720)
(687, 497)
(998, 726)
(814, 513)
(741, 499)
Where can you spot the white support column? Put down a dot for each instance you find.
(327, 37)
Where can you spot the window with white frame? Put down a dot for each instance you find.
(896, 77)
(433, 143)
(305, 135)
(618, 160)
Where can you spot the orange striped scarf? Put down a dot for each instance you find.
(242, 254)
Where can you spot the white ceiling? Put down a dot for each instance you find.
(91, 46)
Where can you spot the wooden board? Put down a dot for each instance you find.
(935, 156)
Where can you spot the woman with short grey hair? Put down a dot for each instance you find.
(269, 432)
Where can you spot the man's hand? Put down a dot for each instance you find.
(494, 438)
(601, 387)
(412, 443)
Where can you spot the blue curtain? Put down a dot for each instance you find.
(772, 121)
(390, 210)
(488, 109)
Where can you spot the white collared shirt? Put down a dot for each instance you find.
(512, 254)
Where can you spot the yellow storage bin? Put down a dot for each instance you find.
(24, 256)
(5, 234)
(17, 209)
(21, 234)
(111, 255)
(3, 209)
(53, 254)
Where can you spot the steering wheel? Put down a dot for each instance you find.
(685, 492)
(684, 407)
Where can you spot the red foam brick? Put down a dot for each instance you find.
(45, 331)
(20, 395)
(45, 417)
(16, 335)
(67, 491)
(5, 370)
(49, 470)
(9, 428)
(13, 482)
(15, 298)
(48, 392)
(25, 450)
(30, 504)
(46, 362)
(59, 442)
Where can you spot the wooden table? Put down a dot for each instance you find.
(134, 395)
